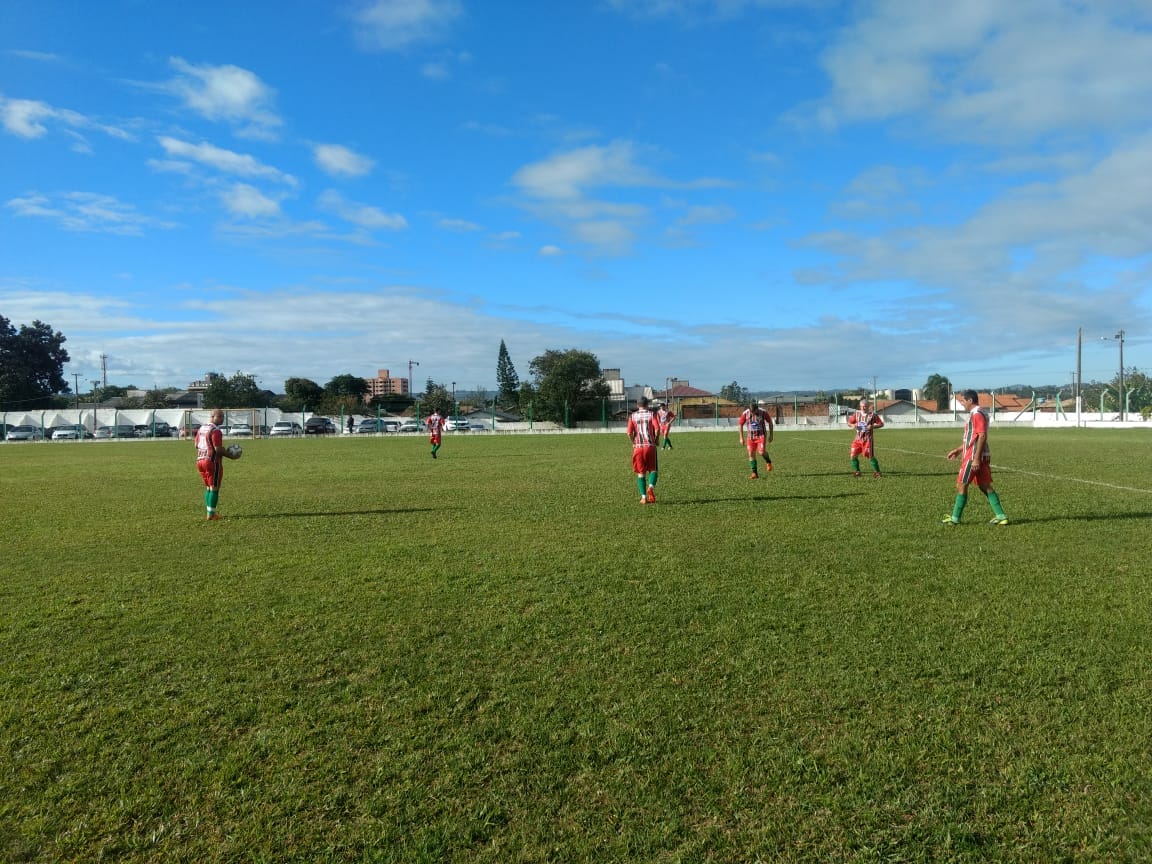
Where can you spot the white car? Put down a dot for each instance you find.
(410, 426)
(285, 428)
(66, 433)
(239, 430)
(456, 425)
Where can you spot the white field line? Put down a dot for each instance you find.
(1039, 474)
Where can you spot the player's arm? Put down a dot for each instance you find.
(877, 421)
(771, 426)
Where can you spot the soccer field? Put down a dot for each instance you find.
(501, 656)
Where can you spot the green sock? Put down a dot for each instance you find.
(652, 479)
(213, 498)
(640, 484)
(958, 507)
(855, 464)
(997, 508)
(207, 498)
(752, 464)
(875, 466)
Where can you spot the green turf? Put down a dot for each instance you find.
(501, 656)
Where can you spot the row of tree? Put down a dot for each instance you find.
(565, 387)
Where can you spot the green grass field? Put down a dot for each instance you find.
(500, 656)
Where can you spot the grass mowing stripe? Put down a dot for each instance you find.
(502, 656)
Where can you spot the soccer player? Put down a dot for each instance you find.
(210, 455)
(760, 430)
(975, 463)
(644, 433)
(865, 420)
(435, 424)
(664, 418)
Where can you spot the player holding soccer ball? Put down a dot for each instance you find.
(760, 431)
(210, 456)
(864, 420)
(644, 433)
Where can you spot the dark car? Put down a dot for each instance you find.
(319, 426)
(374, 425)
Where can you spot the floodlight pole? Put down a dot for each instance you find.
(411, 363)
(1120, 337)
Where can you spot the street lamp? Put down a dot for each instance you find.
(411, 363)
(1119, 337)
(455, 405)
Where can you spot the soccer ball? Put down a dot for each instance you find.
(235, 451)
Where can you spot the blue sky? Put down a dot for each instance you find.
(790, 195)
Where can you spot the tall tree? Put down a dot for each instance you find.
(346, 385)
(569, 385)
(938, 388)
(239, 391)
(436, 397)
(735, 393)
(301, 393)
(506, 378)
(31, 365)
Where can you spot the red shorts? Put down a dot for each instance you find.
(974, 471)
(211, 471)
(757, 445)
(644, 459)
(434, 438)
(860, 448)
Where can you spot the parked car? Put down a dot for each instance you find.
(455, 424)
(377, 424)
(410, 426)
(120, 430)
(284, 428)
(25, 433)
(239, 430)
(159, 429)
(70, 433)
(319, 426)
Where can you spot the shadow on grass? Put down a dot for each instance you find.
(769, 497)
(379, 511)
(1078, 517)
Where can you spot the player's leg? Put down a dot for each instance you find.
(984, 482)
(962, 481)
(650, 473)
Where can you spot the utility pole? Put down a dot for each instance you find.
(76, 379)
(104, 369)
(1120, 336)
(411, 363)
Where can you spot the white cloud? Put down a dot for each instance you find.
(243, 200)
(340, 161)
(361, 215)
(394, 25)
(227, 161)
(27, 118)
(570, 174)
(86, 212)
(551, 251)
(227, 93)
(992, 71)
